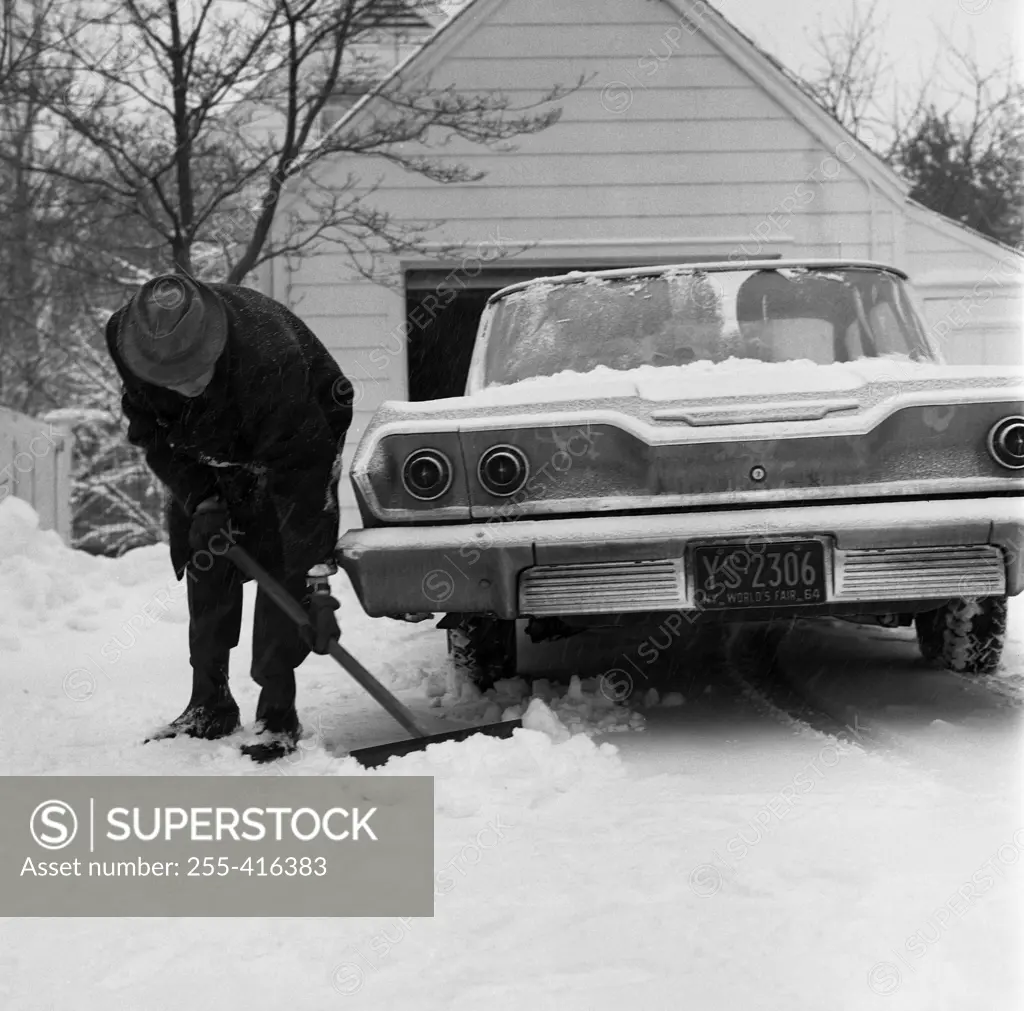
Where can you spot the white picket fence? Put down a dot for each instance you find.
(35, 465)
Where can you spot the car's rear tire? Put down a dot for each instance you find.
(483, 648)
(965, 635)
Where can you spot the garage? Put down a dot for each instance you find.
(717, 155)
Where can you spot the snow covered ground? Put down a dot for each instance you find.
(698, 855)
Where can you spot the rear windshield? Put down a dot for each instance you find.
(824, 316)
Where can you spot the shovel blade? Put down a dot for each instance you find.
(378, 754)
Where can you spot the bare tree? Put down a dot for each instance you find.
(851, 72)
(50, 226)
(21, 38)
(61, 263)
(957, 135)
(199, 113)
(138, 135)
(967, 161)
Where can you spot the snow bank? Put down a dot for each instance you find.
(704, 379)
(64, 610)
(538, 762)
(42, 581)
(45, 585)
(560, 710)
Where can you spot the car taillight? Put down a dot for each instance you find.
(427, 474)
(503, 470)
(1006, 443)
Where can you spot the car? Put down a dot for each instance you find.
(723, 442)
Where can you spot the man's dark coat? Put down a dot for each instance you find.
(266, 435)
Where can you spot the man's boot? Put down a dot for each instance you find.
(276, 736)
(277, 650)
(277, 730)
(211, 713)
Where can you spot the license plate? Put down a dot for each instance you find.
(772, 574)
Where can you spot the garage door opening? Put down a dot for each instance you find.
(441, 339)
(443, 317)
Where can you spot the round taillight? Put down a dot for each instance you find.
(427, 474)
(1006, 443)
(503, 470)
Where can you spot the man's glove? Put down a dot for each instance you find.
(321, 607)
(210, 518)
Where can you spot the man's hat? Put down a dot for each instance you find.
(174, 330)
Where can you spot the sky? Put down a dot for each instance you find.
(785, 27)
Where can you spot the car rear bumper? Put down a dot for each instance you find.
(889, 551)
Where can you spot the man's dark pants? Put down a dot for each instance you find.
(215, 619)
(215, 590)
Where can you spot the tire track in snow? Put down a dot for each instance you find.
(752, 663)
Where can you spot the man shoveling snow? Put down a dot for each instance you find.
(242, 414)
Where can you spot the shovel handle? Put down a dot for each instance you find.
(375, 688)
(269, 585)
(298, 614)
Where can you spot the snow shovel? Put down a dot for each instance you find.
(380, 753)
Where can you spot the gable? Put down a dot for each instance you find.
(671, 136)
(625, 48)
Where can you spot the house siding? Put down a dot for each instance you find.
(971, 293)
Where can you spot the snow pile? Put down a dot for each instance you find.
(704, 379)
(42, 581)
(44, 584)
(581, 707)
(538, 762)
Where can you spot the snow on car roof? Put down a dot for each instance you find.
(582, 276)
